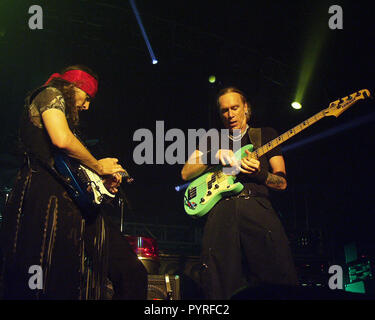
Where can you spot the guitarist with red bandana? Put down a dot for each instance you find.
(43, 226)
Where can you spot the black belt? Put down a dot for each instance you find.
(247, 193)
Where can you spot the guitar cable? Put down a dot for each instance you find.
(190, 205)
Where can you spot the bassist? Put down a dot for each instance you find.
(244, 243)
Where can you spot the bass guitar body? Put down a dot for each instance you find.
(204, 192)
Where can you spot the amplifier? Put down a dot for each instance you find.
(163, 287)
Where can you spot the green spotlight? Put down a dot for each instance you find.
(296, 105)
(212, 79)
(316, 35)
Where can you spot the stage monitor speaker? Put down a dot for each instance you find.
(163, 287)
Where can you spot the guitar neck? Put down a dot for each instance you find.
(288, 134)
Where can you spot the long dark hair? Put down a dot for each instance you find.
(68, 92)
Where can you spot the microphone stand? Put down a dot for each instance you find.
(121, 204)
(122, 200)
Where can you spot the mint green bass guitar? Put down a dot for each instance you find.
(205, 191)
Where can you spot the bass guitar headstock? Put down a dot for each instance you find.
(339, 106)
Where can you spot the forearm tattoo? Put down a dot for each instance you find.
(274, 181)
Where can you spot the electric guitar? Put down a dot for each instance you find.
(84, 185)
(205, 191)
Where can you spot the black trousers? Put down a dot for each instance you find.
(125, 270)
(42, 226)
(244, 244)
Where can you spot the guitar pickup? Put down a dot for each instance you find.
(192, 193)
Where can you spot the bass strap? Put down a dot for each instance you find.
(255, 136)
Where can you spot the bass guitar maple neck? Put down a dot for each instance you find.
(335, 109)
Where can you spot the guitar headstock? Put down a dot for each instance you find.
(339, 106)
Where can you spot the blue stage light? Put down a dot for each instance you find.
(143, 31)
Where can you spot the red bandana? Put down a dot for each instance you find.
(81, 79)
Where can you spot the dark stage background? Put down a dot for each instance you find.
(261, 48)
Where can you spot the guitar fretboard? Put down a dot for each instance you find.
(287, 135)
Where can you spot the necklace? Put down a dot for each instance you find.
(238, 137)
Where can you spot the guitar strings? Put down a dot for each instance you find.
(219, 177)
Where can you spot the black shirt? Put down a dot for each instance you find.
(267, 134)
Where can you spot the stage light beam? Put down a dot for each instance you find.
(338, 129)
(143, 31)
(316, 38)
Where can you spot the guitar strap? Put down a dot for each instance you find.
(255, 136)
